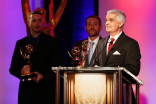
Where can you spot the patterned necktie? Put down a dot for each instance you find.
(111, 44)
(90, 52)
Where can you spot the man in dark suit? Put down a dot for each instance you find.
(120, 49)
(93, 27)
(46, 54)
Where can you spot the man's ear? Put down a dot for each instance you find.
(101, 28)
(28, 22)
(121, 24)
(85, 27)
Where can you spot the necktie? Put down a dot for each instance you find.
(32, 58)
(90, 52)
(35, 43)
(111, 44)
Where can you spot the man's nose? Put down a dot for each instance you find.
(37, 23)
(107, 22)
(92, 26)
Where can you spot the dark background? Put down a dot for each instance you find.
(71, 22)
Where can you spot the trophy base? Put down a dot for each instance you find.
(28, 77)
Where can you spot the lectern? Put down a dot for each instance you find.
(96, 85)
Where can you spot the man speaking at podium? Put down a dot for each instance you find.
(118, 49)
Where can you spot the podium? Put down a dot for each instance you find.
(96, 85)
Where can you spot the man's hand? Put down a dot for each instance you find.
(39, 77)
(26, 70)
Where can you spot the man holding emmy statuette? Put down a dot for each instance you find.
(32, 60)
(87, 46)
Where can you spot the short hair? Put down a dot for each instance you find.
(120, 15)
(94, 16)
(41, 10)
(34, 12)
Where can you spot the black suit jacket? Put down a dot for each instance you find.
(47, 55)
(129, 54)
(79, 44)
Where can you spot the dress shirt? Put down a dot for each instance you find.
(32, 39)
(115, 37)
(95, 42)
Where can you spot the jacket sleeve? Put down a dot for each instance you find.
(15, 68)
(133, 57)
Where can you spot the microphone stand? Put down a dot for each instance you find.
(92, 65)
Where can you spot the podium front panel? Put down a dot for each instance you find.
(91, 88)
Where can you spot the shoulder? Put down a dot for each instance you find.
(100, 38)
(23, 40)
(130, 43)
(48, 38)
(129, 40)
(79, 42)
(103, 39)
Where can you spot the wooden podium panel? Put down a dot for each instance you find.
(102, 85)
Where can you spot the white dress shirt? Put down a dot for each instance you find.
(116, 37)
(95, 42)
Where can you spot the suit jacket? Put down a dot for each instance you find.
(79, 44)
(47, 55)
(129, 54)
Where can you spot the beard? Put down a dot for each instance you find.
(92, 34)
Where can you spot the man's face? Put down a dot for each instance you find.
(93, 27)
(112, 25)
(35, 23)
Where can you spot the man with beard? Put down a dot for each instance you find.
(46, 54)
(93, 27)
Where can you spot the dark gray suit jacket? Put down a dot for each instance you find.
(129, 54)
(79, 44)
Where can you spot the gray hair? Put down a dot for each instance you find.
(120, 15)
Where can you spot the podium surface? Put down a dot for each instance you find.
(109, 91)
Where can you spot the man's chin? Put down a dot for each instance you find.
(93, 35)
(37, 31)
(108, 30)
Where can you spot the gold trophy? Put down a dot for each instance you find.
(85, 49)
(76, 53)
(26, 55)
(48, 27)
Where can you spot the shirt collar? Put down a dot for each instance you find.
(95, 41)
(115, 37)
(38, 37)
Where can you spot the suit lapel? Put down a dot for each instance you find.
(94, 54)
(26, 41)
(117, 44)
(39, 49)
(104, 53)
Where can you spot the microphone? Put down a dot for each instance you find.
(92, 65)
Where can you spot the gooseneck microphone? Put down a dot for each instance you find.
(92, 65)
